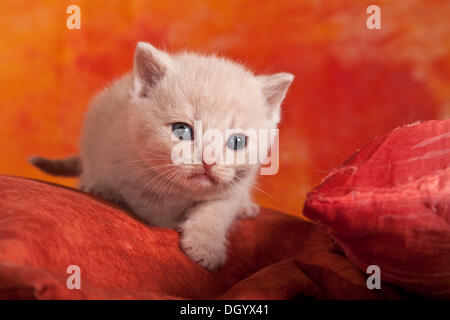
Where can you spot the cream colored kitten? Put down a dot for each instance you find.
(128, 137)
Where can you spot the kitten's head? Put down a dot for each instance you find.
(172, 94)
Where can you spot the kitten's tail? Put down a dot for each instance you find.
(69, 167)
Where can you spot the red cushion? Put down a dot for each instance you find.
(389, 205)
(45, 228)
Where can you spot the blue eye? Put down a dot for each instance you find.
(182, 131)
(237, 142)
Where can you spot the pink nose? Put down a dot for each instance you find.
(208, 165)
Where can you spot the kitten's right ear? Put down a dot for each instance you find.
(150, 65)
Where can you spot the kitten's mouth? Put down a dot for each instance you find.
(203, 178)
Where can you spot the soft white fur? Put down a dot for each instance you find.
(126, 143)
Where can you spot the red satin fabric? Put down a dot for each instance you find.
(45, 228)
(389, 205)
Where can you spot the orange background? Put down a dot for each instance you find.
(351, 84)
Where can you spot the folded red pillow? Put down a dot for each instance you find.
(389, 205)
(45, 228)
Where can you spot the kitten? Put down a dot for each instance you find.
(128, 137)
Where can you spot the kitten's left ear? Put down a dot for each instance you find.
(150, 65)
(274, 88)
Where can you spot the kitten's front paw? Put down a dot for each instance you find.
(249, 210)
(210, 254)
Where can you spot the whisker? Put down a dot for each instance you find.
(149, 182)
(141, 173)
(167, 180)
(143, 160)
(258, 189)
(267, 181)
(174, 182)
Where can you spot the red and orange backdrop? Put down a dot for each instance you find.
(351, 83)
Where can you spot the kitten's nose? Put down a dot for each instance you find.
(208, 165)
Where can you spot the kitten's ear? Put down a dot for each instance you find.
(274, 88)
(150, 65)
